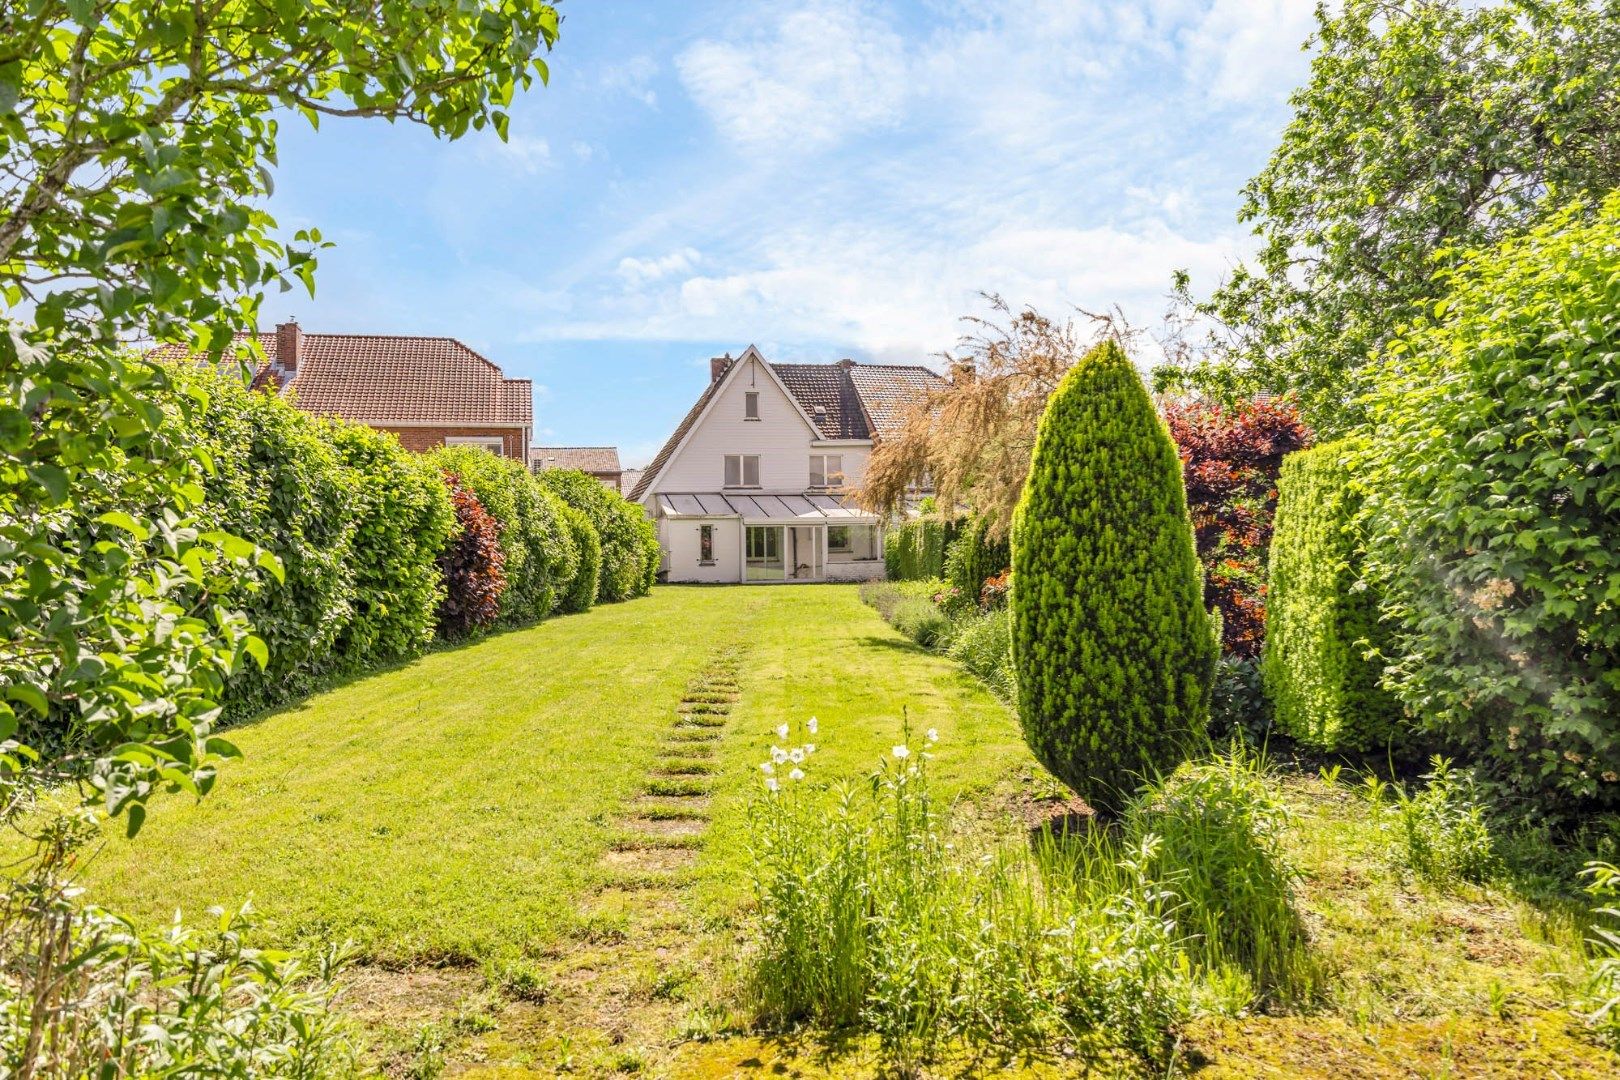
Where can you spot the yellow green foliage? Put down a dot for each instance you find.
(1114, 652)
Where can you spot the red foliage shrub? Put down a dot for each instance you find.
(472, 566)
(1229, 460)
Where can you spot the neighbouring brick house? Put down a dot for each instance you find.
(429, 391)
(602, 462)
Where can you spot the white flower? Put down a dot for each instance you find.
(770, 783)
(796, 755)
(902, 751)
(809, 748)
(811, 725)
(778, 754)
(796, 774)
(781, 731)
(767, 768)
(933, 735)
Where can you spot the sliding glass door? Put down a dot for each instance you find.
(763, 547)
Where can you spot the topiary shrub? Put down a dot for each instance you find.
(276, 480)
(539, 553)
(472, 566)
(581, 591)
(403, 520)
(1321, 619)
(627, 539)
(1493, 498)
(972, 557)
(1114, 652)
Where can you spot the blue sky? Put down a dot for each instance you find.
(822, 178)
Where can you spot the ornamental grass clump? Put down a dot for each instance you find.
(1599, 1003)
(1441, 833)
(872, 919)
(1114, 651)
(1219, 829)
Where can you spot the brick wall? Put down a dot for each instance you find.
(422, 439)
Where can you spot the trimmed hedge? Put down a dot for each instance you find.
(916, 550)
(382, 548)
(972, 557)
(581, 591)
(1321, 619)
(1114, 651)
(629, 542)
(404, 519)
(540, 555)
(275, 480)
(1493, 478)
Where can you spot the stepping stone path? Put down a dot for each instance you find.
(618, 990)
(664, 824)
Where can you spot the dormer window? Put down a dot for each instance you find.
(751, 405)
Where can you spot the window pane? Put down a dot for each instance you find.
(751, 470)
(818, 472)
(835, 470)
(751, 405)
(733, 473)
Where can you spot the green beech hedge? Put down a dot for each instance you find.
(276, 480)
(403, 520)
(541, 557)
(384, 549)
(581, 591)
(629, 542)
(1321, 619)
(1492, 473)
(1114, 652)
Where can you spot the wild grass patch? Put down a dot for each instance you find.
(873, 920)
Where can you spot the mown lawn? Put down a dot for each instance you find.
(456, 809)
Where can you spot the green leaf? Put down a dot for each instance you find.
(118, 519)
(31, 696)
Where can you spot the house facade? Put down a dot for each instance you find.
(754, 483)
(428, 391)
(599, 462)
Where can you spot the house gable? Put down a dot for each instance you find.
(781, 436)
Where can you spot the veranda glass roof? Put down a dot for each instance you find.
(790, 508)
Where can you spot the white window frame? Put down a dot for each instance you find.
(709, 529)
(493, 443)
(822, 464)
(742, 467)
(750, 404)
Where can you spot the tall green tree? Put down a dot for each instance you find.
(137, 139)
(1114, 652)
(1426, 126)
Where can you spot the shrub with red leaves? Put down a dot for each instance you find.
(1229, 460)
(472, 566)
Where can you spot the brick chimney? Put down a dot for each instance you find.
(718, 366)
(846, 363)
(289, 343)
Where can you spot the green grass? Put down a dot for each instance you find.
(457, 808)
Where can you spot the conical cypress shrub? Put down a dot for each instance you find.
(1114, 652)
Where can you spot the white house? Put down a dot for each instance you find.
(753, 484)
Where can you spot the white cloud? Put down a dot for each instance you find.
(643, 271)
(528, 153)
(884, 295)
(631, 78)
(817, 74)
(1249, 50)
